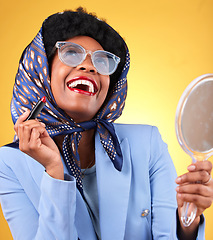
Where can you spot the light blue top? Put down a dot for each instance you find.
(38, 207)
(91, 196)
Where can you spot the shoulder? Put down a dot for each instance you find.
(132, 127)
(14, 159)
(17, 165)
(11, 158)
(10, 150)
(137, 132)
(142, 139)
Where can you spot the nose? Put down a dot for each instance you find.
(87, 65)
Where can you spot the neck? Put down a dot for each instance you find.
(86, 148)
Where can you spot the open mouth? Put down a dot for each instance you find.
(83, 85)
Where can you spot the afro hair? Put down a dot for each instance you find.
(66, 25)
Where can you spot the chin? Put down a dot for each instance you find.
(79, 117)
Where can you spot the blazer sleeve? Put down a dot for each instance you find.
(162, 183)
(54, 218)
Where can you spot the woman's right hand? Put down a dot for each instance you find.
(35, 141)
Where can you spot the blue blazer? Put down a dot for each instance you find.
(137, 203)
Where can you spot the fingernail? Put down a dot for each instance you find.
(43, 124)
(26, 112)
(177, 189)
(191, 167)
(179, 195)
(178, 180)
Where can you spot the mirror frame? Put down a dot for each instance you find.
(181, 104)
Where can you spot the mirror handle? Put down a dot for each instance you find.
(188, 213)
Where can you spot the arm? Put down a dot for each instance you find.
(165, 222)
(162, 184)
(53, 216)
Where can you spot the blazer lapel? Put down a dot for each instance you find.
(83, 221)
(113, 191)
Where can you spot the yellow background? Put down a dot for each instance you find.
(170, 44)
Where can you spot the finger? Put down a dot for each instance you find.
(192, 177)
(198, 189)
(20, 120)
(200, 166)
(180, 202)
(27, 127)
(209, 182)
(189, 208)
(33, 123)
(198, 200)
(45, 134)
(26, 135)
(35, 138)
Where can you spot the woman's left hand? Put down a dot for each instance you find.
(195, 186)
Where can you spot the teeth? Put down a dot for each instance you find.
(83, 82)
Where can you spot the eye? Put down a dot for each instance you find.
(70, 52)
(71, 55)
(102, 61)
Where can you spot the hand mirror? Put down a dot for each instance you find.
(194, 128)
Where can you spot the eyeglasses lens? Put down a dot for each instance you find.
(73, 55)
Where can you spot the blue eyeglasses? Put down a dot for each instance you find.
(72, 54)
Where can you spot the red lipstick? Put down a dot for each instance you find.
(37, 108)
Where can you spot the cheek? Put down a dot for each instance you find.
(105, 84)
(54, 75)
(53, 84)
(105, 90)
(57, 86)
(59, 73)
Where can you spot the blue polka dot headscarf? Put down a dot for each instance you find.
(33, 82)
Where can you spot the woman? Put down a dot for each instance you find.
(74, 173)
